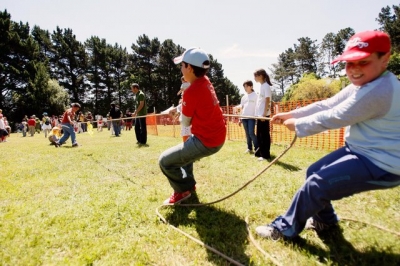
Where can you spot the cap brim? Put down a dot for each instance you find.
(351, 56)
(178, 59)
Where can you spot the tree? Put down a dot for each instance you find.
(306, 55)
(390, 23)
(145, 64)
(311, 87)
(69, 64)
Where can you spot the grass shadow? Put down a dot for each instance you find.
(285, 165)
(222, 230)
(342, 252)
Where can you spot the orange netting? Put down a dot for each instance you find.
(164, 125)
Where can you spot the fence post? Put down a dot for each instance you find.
(227, 119)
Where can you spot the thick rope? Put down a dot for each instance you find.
(372, 225)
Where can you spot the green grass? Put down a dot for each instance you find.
(95, 204)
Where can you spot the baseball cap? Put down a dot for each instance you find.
(194, 56)
(363, 44)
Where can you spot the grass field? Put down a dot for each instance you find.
(95, 205)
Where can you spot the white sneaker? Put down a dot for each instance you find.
(270, 232)
(261, 159)
(248, 151)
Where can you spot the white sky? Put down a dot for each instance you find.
(241, 35)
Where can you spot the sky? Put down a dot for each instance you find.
(241, 35)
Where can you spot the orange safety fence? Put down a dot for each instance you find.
(165, 125)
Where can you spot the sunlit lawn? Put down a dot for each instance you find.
(95, 204)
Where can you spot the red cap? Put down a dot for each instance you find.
(363, 44)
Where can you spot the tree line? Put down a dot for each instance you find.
(43, 72)
(309, 60)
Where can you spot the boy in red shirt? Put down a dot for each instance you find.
(201, 110)
(67, 124)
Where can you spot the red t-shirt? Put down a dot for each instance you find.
(31, 122)
(201, 104)
(67, 113)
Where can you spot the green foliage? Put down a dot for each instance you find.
(394, 63)
(311, 87)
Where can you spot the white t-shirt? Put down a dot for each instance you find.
(262, 93)
(248, 104)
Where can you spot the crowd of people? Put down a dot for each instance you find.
(59, 128)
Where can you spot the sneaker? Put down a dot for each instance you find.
(75, 145)
(248, 151)
(177, 198)
(261, 159)
(56, 144)
(312, 224)
(268, 231)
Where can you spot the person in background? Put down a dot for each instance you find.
(248, 106)
(116, 114)
(201, 111)
(177, 111)
(3, 131)
(369, 108)
(54, 135)
(263, 109)
(99, 123)
(141, 111)
(81, 121)
(46, 124)
(128, 120)
(67, 124)
(24, 127)
(38, 125)
(88, 119)
(32, 125)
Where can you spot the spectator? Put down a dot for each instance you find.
(32, 125)
(141, 111)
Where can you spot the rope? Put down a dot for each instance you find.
(255, 243)
(373, 225)
(222, 199)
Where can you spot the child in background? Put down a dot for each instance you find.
(99, 123)
(54, 135)
(185, 131)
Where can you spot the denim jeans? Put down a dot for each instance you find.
(248, 125)
(340, 174)
(68, 130)
(176, 163)
(117, 127)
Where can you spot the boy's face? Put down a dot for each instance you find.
(360, 72)
(187, 72)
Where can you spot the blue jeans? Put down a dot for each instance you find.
(176, 163)
(337, 175)
(248, 125)
(117, 127)
(68, 130)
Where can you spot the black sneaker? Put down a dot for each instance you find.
(75, 145)
(312, 224)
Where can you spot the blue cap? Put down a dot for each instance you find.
(194, 56)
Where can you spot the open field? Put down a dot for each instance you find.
(95, 205)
